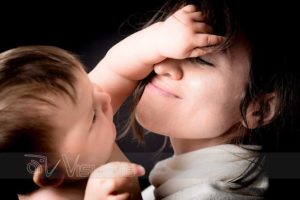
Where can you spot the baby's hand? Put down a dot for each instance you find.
(184, 34)
(114, 181)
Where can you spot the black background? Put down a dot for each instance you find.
(77, 26)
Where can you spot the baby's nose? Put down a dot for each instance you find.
(105, 101)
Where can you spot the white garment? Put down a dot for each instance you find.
(208, 173)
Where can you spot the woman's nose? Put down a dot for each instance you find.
(170, 68)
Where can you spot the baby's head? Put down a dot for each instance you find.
(54, 124)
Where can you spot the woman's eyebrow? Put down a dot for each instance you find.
(225, 52)
(214, 56)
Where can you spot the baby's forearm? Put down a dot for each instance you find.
(133, 58)
(126, 63)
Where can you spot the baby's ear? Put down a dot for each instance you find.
(45, 177)
(262, 111)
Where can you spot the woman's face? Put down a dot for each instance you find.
(193, 100)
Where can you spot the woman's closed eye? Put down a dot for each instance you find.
(201, 61)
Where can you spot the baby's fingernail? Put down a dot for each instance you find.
(141, 170)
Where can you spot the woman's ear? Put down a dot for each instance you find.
(45, 177)
(262, 111)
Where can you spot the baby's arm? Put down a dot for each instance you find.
(182, 35)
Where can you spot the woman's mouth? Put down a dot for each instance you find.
(161, 89)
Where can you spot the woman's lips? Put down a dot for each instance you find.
(162, 89)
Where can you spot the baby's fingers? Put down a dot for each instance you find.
(118, 170)
(189, 8)
(108, 188)
(200, 27)
(114, 180)
(207, 40)
(203, 43)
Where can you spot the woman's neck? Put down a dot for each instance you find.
(181, 146)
